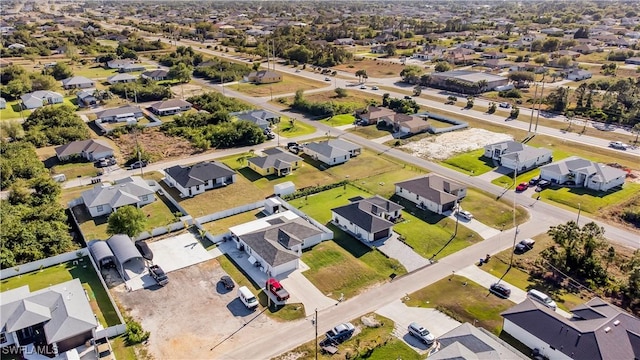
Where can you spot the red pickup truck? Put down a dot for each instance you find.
(276, 289)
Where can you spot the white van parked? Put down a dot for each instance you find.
(248, 299)
(542, 298)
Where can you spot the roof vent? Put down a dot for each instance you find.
(607, 329)
(616, 323)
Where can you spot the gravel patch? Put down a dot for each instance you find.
(444, 146)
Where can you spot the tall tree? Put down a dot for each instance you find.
(127, 220)
(180, 72)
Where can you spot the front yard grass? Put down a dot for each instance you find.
(339, 120)
(288, 85)
(12, 111)
(80, 269)
(495, 213)
(471, 163)
(93, 71)
(74, 170)
(380, 340)
(368, 132)
(590, 201)
(463, 300)
(292, 128)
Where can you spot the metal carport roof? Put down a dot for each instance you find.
(100, 250)
(123, 248)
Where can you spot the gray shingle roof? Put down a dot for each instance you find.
(125, 192)
(100, 250)
(121, 77)
(433, 187)
(170, 104)
(76, 80)
(118, 111)
(365, 213)
(77, 147)
(198, 174)
(156, 73)
(325, 149)
(275, 158)
(575, 164)
(467, 342)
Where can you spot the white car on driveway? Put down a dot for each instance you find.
(464, 214)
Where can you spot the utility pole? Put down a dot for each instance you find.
(532, 109)
(316, 323)
(222, 81)
(579, 210)
(515, 225)
(539, 106)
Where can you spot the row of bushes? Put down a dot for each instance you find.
(314, 190)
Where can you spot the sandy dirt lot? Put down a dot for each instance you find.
(444, 146)
(193, 317)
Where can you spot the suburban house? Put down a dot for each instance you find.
(104, 199)
(372, 114)
(91, 150)
(170, 107)
(344, 41)
(87, 98)
(512, 154)
(275, 243)
(577, 75)
(378, 49)
(156, 75)
(432, 192)
(263, 118)
(584, 173)
(77, 82)
(121, 79)
(405, 124)
(367, 220)
(264, 77)
(131, 68)
(448, 79)
(40, 98)
(332, 152)
(50, 321)
(122, 114)
(493, 55)
(596, 330)
(585, 49)
(118, 63)
(275, 162)
(467, 342)
(198, 178)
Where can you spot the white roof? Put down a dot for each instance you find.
(262, 223)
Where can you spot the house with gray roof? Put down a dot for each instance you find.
(432, 192)
(332, 152)
(87, 97)
(597, 330)
(367, 220)
(508, 153)
(118, 63)
(170, 107)
(77, 82)
(156, 75)
(125, 113)
(121, 79)
(104, 199)
(275, 162)
(467, 342)
(583, 173)
(91, 150)
(263, 118)
(53, 320)
(198, 178)
(275, 242)
(40, 98)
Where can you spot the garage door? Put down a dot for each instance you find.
(447, 207)
(381, 234)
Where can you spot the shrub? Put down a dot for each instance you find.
(513, 93)
(134, 333)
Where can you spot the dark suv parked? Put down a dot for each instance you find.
(500, 289)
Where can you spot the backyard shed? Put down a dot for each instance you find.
(101, 253)
(285, 188)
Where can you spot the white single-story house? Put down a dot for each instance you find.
(432, 192)
(198, 178)
(40, 98)
(367, 220)
(170, 107)
(510, 152)
(332, 152)
(121, 78)
(597, 330)
(77, 82)
(3, 103)
(104, 199)
(263, 118)
(577, 75)
(275, 162)
(91, 150)
(584, 173)
(50, 321)
(125, 113)
(119, 63)
(276, 242)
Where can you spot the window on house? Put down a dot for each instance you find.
(99, 208)
(400, 190)
(144, 197)
(417, 197)
(3, 338)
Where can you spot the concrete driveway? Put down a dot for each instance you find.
(483, 230)
(394, 248)
(436, 322)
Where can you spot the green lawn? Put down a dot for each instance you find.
(339, 120)
(495, 213)
(12, 111)
(380, 340)
(93, 71)
(318, 206)
(83, 270)
(463, 300)
(288, 129)
(369, 132)
(288, 85)
(222, 226)
(121, 350)
(588, 200)
(471, 163)
(74, 170)
(516, 276)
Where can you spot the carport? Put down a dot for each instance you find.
(126, 254)
(101, 253)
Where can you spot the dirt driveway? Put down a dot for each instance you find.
(193, 314)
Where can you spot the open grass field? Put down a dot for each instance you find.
(288, 129)
(369, 132)
(356, 98)
(374, 68)
(380, 339)
(80, 269)
(495, 213)
(222, 226)
(93, 71)
(339, 120)
(472, 163)
(12, 111)
(74, 170)
(463, 300)
(589, 201)
(288, 85)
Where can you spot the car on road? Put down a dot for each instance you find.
(407, 97)
(421, 333)
(542, 184)
(227, 282)
(363, 87)
(522, 186)
(138, 164)
(464, 214)
(500, 290)
(524, 246)
(144, 250)
(341, 332)
(327, 79)
(505, 105)
(158, 275)
(618, 145)
(374, 88)
(297, 70)
(534, 181)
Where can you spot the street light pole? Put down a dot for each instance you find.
(515, 225)
(578, 219)
(316, 324)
